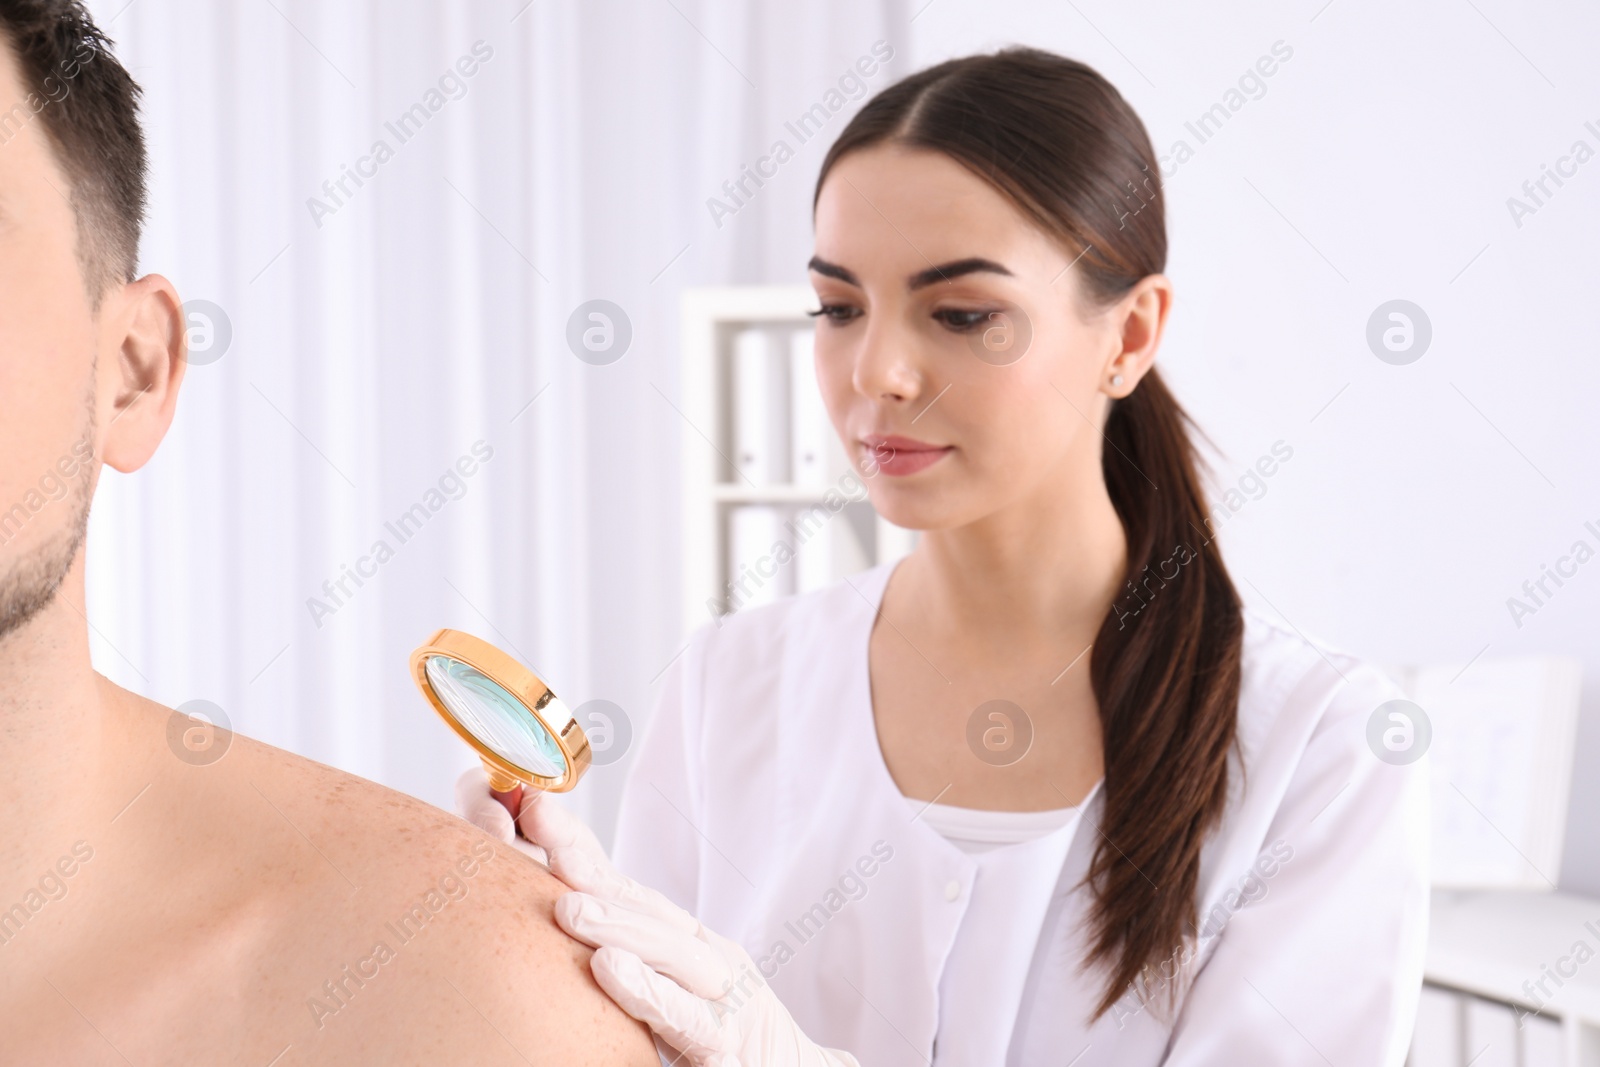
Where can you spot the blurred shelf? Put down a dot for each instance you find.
(771, 494)
(716, 494)
(1495, 949)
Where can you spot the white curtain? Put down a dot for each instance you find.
(534, 156)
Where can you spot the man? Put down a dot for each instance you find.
(156, 906)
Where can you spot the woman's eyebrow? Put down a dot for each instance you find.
(922, 279)
(833, 270)
(954, 269)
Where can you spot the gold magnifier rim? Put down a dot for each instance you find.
(526, 687)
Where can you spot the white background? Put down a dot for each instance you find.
(372, 351)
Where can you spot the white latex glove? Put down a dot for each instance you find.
(699, 992)
(478, 806)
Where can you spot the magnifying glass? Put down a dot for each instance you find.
(523, 733)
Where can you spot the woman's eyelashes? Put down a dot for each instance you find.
(956, 320)
(962, 320)
(837, 314)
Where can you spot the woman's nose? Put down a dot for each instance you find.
(886, 369)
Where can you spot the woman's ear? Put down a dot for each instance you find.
(1140, 318)
(143, 353)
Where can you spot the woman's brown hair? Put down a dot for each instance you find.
(1058, 140)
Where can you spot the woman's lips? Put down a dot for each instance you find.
(901, 456)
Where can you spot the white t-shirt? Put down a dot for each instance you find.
(1019, 856)
(758, 798)
(974, 831)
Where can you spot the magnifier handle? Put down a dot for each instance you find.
(511, 800)
(499, 780)
(506, 789)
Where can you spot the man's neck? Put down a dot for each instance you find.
(53, 725)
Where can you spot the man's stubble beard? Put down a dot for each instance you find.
(31, 584)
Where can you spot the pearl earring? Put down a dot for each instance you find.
(1116, 379)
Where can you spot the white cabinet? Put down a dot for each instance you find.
(1513, 977)
(772, 505)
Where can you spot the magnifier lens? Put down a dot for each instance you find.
(494, 717)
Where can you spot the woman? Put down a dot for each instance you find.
(1042, 792)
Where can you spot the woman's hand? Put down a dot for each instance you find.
(699, 992)
(483, 809)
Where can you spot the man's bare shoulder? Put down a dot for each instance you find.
(263, 905)
(471, 917)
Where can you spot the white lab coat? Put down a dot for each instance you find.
(760, 801)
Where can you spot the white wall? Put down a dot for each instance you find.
(1377, 165)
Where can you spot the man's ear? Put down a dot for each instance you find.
(143, 353)
(1142, 318)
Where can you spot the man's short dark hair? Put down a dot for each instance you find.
(88, 105)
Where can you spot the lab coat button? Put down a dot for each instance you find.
(952, 891)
